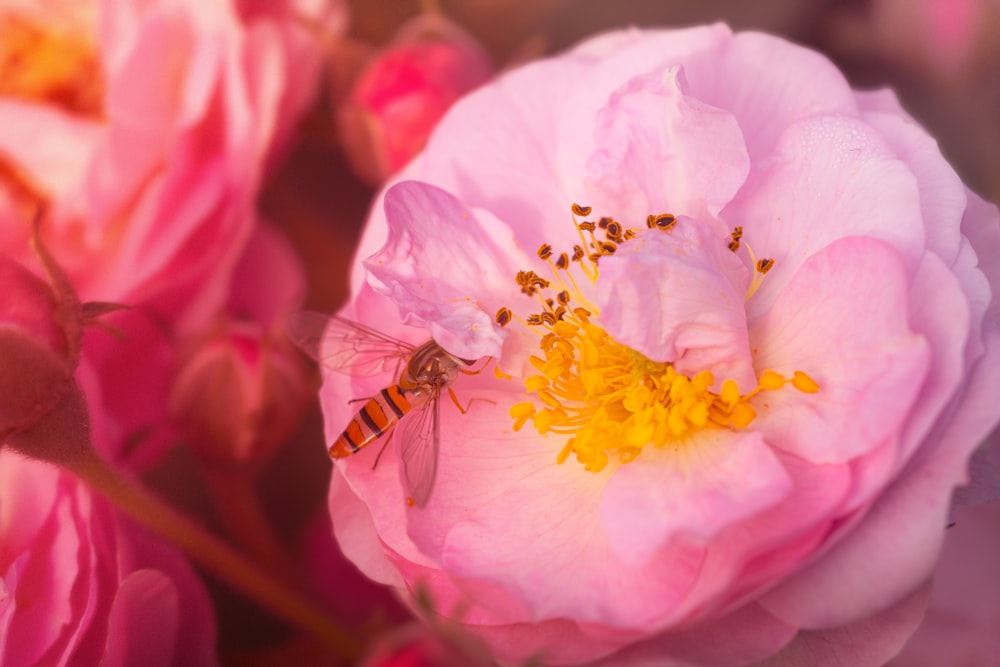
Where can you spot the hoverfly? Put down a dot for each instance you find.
(411, 406)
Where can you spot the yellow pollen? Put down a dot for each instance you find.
(608, 400)
(43, 63)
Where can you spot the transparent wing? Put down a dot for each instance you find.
(419, 438)
(346, 346)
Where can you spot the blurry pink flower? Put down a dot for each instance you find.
(242, 387)
(705, 456)
(962, 626)
(82, 587)
(239, 395)
(151, 184)
(942, 36)
(403, 92)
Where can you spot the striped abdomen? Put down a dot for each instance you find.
(376, 417)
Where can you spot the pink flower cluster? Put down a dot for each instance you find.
(134, 138)
(746, 338)
(672, 349)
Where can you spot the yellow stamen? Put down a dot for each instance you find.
(44, 63)
(610, 400)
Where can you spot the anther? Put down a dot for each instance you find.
(545, 251)
(581, 210)
(562, 262)
(504, 316)
(607, 248)
(614, 229)
(663, 221)
(765, 265)
(587, 226)
(577, 253)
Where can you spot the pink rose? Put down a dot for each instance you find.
(82, 586)
(733, 432)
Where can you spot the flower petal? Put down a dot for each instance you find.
(143, 622)
(660, 150)
(869, 642)
(842, 320)
(828, 178)
(678, 296)
(942, 194)
(446, 266)
(695, 490)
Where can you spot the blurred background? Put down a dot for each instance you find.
(942, 57)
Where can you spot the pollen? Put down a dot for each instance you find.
(45, 63)
(607, 400)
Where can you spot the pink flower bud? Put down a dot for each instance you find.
(402, 93)
(238, 395)
(39, 343)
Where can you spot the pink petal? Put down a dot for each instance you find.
(942, 194)
(828, 178)
(776, 541)
(660, 150)
(678, 296)
(448, 267)
(869, 642)
(842, 320)
(790, 83)
(748, 634)
(143, 622)
(694, 490)
(51, 148)
(269, 279)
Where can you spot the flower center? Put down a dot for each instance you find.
(609, 399)
(49, 64)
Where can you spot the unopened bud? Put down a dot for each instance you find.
(402, 93)
(39, 346)
(239, 395)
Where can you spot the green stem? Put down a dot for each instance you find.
(208, 550)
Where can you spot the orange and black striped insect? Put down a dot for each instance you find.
(411, 406)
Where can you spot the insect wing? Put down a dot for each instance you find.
(419, 439)
(346, 346)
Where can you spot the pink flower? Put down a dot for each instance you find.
(147, 127)
(82, 586)
(400, 96)
(942, 36)
(241, 389)
(733, 432)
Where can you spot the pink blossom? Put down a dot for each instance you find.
(240, 389)
(942, 36)
(402, 93)
(83, 586)
(712, 458)
(150, 184)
